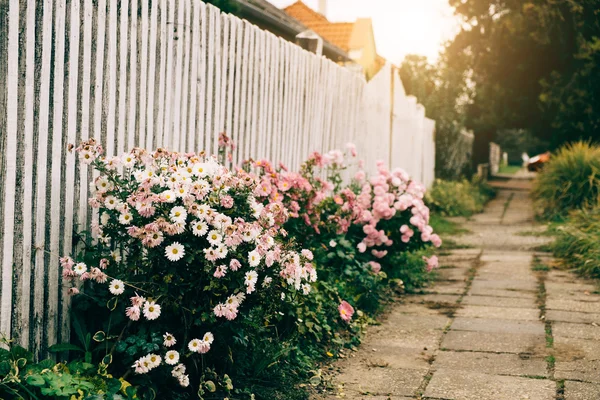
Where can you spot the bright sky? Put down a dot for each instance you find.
(401, 26)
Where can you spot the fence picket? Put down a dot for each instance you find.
(173, 74)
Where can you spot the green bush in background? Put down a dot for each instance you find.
(458, 198)
(569, 181)
(578, 242)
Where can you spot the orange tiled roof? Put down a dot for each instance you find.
(338, 33)
(304, 13)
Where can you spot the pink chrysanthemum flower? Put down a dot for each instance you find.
(346, 311)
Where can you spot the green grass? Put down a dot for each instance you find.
(509, 169)
(540, 267)
(445, 227)
(458, 198)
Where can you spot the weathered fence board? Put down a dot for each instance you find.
(170, 73)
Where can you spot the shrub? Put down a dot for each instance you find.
(22, 378)
(459, 198)
(196, 277)
(578, 242)
(569, 181)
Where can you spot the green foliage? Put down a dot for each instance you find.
(442, 89)
(578, 242)
(463, 198)
(21, 378)
(533, 66)
(570, 181)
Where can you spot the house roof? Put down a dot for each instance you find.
(267, 16)
(338, 33)
(345, 35)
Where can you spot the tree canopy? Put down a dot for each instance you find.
(529, 66)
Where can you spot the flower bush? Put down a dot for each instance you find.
(183, 248)
(201, 280)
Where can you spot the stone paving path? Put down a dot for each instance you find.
(498, 325)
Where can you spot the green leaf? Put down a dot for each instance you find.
(99, 336)
(47, 364)
(315, 380)
(111, 304)
(113, 385)
(35, 380)
(88, 357)
(4, 368)
(107, 359)
(57, 348)
(130, 391)
(210, 386)
(19, 352)
(21, 362)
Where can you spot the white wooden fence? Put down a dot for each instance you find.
(165, 73)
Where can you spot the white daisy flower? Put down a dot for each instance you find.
(80, 268)
(103, 184)
(153, 360)
(175, 251)
(151, 310)
(208, 338)
(194, 345)
(128, 160)
(125, 218)
(111, 202)
(168, 196)
(182, 191)
(172, 357)
(141, 366)
(86, 157)
(184, 380)
(332, 243)
(104, 218)
(306, 288)
(254, 258)
(199, 228)
(251, 278)
(214, 238)
(116, 287)
(203, 211)
(178, 370)
(115, 255)
(178, 214)
(169, 340)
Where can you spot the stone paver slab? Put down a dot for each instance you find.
(497, 325)
(411, 322)
(505, 284)
(493, 342)
(495, 276)
(394, 355)
(502, 293)
(522, 314)
(491, 363)
(580, 370)
(515, 302)
(360, 380)
(461, 385)
(573, 305)
(571, 330)
(569, 349)
(572, 316)
(435, 298)
(553, 287)
(581, 391)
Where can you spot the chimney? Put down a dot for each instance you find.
(323, 7)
